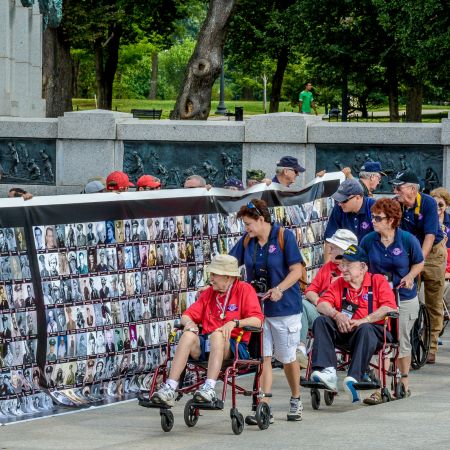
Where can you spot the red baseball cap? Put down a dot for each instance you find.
(148, 181)
(117, 181)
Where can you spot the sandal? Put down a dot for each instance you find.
(374, 399)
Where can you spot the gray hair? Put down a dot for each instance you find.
(198, 178)
(279, 170)
(366, 175)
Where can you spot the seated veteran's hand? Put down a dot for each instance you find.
(357, 322)
(226, 329)
(343, 323)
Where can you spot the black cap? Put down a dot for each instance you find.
(407, 176)
(291, 162)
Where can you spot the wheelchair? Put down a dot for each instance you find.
(194, 376)
(377, 377)
(421, 338)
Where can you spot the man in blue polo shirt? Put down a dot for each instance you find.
(420, 218)
(288, 169)
(351, 211)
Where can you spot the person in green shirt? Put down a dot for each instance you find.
(306, 100)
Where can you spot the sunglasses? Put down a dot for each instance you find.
(250, 205)
(442, 205)
(345, 201)
(378, 218)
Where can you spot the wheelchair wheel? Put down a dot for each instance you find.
(263, 415)
(190, 414)
(400, 391)
(328, 397)
(237, 422)
(166, 419)
(315, 398)
(420, 339)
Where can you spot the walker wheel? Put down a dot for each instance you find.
(166, 419)
(190, 414)
(237, 422)
(263, 415)
(328, 397)
(315, 398)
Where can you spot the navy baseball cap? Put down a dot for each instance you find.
(372, 166)
(233, 182)
(408, 176)
(354, 253)
(347, 189)
(291, 163)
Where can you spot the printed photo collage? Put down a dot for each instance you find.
(18, 323)
(112, 289)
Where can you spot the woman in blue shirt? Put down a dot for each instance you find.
(397, 254)
(274, 266)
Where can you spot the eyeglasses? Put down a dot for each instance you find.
(442, 205)
(250, 205)
(378, 218)
(345, 201)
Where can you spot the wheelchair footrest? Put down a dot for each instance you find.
(146, 403)
(314, 385)
(216, 405)
(366, 385)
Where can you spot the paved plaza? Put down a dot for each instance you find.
(420, 422)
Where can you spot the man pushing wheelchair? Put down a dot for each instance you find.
(221, 311)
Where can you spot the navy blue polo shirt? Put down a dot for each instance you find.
(278, 263)
(446, 226)
(275, 180)
(426, 222)
(359, 223)
(396, 259)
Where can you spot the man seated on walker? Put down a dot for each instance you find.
(222, 310)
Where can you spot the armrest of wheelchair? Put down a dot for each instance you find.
(253, 329)
(393, 314)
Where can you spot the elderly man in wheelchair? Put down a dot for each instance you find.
(222, 310)
(352, 313)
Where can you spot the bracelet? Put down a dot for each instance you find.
(281, 290)
(335, 314)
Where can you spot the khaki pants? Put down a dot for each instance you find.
(433, 278)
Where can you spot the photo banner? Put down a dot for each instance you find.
(91, 284)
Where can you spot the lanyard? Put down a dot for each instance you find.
(266, 255)
(223, 308)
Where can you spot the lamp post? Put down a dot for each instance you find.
(221, 108)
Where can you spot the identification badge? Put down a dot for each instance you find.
(348, 308)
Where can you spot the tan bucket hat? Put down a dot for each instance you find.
(224, 265)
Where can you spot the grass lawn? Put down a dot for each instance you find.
(250, 107)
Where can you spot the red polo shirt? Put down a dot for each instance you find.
(323, 278)
(382, 295)
(243, 303)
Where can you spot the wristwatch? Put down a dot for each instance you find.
(236, 323)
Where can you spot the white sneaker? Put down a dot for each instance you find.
(353, 393)
(165, 395)
(295, 411)
(206, 394)
(327, 377)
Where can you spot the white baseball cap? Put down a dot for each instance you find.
(343, 239)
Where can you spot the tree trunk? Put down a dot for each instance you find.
(106, 59)
(56, 72)
(392, 79)
(344, 98)
(414, 101)
(277, 80)
(75, 75)
(154, 78)
(194, 98)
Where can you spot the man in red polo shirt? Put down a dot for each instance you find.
(353, 309)
(222, 310)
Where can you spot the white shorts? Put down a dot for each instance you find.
(281, 337)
